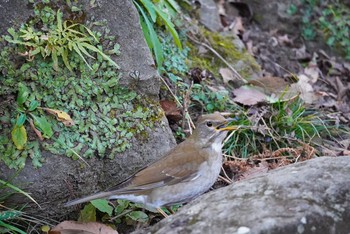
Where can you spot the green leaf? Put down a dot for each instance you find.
(93, 48)
(43, 125)
(12, 228)
(174, 5)
(64, 54)
(18, 190)
(76, 49)
(150, 8)
(138, 216)
(116, 49)
(170, 26)
(21, 119)
(19, 136)
(84, 51)
(151, 36)
(23, 93)
(59, 21)
(33, 105)
(55, 60)
(88, 214)
(103, 206)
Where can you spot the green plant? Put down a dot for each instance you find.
(331, 21)
(106, 114)
(282, 124)
(158, 12)
(7, 215)
(59, 41)
(335, 26)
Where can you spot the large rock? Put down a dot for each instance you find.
(307, 197)
(60, 177)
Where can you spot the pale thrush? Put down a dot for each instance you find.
(185, 172)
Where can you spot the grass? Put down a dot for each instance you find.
(280, 125)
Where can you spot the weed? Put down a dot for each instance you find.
(59, 41)
(282, 124)
(332, 22)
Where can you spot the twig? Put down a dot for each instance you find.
(226, 176)
(226, 180)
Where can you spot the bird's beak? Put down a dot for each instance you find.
(224, 126)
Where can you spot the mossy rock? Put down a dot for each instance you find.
(118, 118)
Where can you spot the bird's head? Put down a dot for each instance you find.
(212, 128)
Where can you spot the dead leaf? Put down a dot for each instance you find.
(285, 40)
(227, 75)
(270, 84)
(61, 116)
(171, 110)
(304, 88)
(237, 26)
(248, 95)
(72, 227)
(37, 132)
(312, 71)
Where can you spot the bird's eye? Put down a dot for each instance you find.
(209, 124)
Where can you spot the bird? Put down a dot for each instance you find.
(182, 174)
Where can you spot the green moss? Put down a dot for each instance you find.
(106, 115)
(225, 46)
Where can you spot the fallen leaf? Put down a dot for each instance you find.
(37, 132)
(237, 26)
(312, 71)
(304, 88)
(171, 111)
(270, 84)
(227, 75)
(19, 136)
(285, 40)
(61, 116)
(71, 227)
(248, 95)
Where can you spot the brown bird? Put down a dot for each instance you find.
(185, 172)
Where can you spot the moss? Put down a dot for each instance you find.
(240, 59)
(107, 115)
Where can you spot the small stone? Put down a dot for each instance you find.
(243, 230)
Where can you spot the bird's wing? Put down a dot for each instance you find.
(179, 165)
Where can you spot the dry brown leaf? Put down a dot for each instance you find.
(304, 88)
(61, 116)
(285, 40)
(227, 75)
(171, 111)
(312, 71)
(37, 132)
(237, 26)
(270, 84)
(72, 227)
(248, 95)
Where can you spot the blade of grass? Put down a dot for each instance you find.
(18, 190)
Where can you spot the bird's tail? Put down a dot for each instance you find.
(89, 198)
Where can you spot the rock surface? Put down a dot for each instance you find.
(307, 197)
(60, 177)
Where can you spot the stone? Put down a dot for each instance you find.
(61, 179)
(306, 197)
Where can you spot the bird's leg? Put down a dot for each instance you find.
(162, 212)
